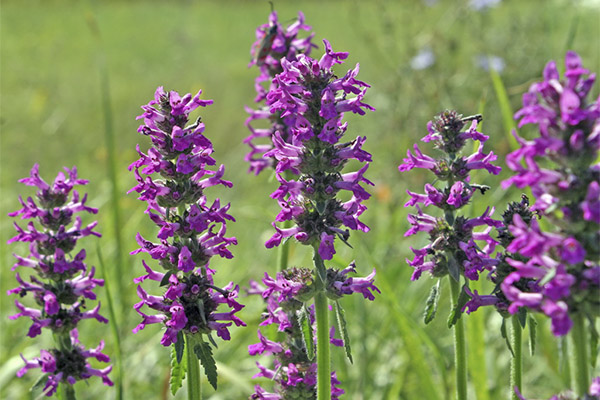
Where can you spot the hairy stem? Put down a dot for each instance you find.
(460, 353)
(194, 383)
(516, 362)
(321, 310)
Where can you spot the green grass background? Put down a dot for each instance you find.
(52, 113)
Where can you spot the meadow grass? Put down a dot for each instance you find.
(56, 57)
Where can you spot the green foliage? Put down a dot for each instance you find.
(342, 328)
(204, 354)
(432, 303)
(456, 312)
(178, 367)
(306, 330)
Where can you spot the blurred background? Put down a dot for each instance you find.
(71, 71)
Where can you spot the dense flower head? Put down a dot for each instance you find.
(191, 230)
(273, 44)
(315, 99)
(453, 243)
(560, 166)
(294, 371)
(59, 283)
(68, 365)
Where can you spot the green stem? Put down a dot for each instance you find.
(321, 311)
(579, 360)
(284, 249)
(194, 382)
(323, 358)
(460, 353)
(516, 363)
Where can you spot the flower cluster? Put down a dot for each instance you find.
(314, 101)
(60, 282)
(453, 247)
(294, 371)
(273, 43)
(561, 169)
(191, 230)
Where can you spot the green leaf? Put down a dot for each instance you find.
(178, 369)
(165, 280)
(532, 334)
(456, 312)
(505, 109)
(522, 317)
(432, 303)
(204, 354)
(505, 336)
(39, 382)
(341, 322)
(307, 332)
(593, 343)
(453, 267)
(179, 346)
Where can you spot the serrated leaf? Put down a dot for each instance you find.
(453, 267)
(306, 331)
(593, 344)
(505, 336)
(212, 341)
(39, 382)
(532, 334)
(165, 280)
(204, 354)
(456, 312)
(432, 303)
(178, 370)
(341, 322)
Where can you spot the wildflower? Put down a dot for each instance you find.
(60, 283)
(192, 230)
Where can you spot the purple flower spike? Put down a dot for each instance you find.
(293, 373)
(60, 282)
(273, 44)
(560, 167)
(179, 169)
(450, 233)
(307, 92)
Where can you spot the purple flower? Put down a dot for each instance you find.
(560, 167)
(273, 43)
(63, 281)
(191, 230)
(308, 93)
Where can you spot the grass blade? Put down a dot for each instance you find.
(505, 109)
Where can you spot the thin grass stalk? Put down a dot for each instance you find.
(579, 360)
(114, 326)
(516, 362)
(476, 357)
(460, 351)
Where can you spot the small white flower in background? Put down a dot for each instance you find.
(494, 62)
(423, 60)
(482, 5)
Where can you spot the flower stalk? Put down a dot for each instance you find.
(579, 358)
(516, 362)
(460, 348)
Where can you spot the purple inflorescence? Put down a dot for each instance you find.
(273, 43)
(314, 101)
(453, 246)
(560, 166)
(191, 229)
(294, 371)
(60, 282)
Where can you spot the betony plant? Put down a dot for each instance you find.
(191, 232)
(60, 282)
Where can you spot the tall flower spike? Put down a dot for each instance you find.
(560, 166)
(310, 94)
(294, 371)
(273, 43)
(61, 282)
(192, 230)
